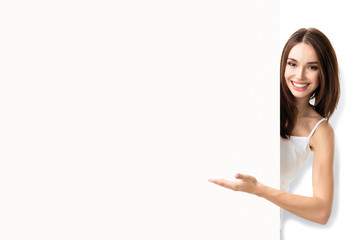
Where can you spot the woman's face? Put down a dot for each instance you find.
(302, 71)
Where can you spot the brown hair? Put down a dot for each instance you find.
(327, 93)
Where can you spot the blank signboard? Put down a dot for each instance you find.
(116, 113)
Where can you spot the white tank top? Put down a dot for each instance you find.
(293, 153)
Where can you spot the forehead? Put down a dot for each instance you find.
(303, 52)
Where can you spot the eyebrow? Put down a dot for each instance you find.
(308, 62)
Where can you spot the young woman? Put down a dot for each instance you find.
(308, 72)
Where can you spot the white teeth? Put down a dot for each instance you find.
(299, 85)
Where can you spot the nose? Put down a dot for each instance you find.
(299, 74)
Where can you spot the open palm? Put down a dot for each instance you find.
(245, 183)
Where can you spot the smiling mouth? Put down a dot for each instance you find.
(298, 86)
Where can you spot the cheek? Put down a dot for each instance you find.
(287, 75)
(288, 72)
(316, 83)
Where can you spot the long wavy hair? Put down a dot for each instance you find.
(327, 93)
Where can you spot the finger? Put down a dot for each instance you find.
(239, 176)
(223, 183)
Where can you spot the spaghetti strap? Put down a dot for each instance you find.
(312, 132)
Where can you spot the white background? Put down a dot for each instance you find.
(115, 114)
(342, 24)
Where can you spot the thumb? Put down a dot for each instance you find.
(239, 176)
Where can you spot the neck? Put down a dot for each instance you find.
(303, 106)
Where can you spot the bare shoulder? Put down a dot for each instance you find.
(323, 137)
(323, 128)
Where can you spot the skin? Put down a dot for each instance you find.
(302, 67)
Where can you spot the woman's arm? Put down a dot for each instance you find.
(317, 208)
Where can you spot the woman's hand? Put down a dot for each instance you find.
(245, 183)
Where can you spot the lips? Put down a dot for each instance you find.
(299, 86)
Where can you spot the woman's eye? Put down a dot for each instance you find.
(291, 64)
(313, 67)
